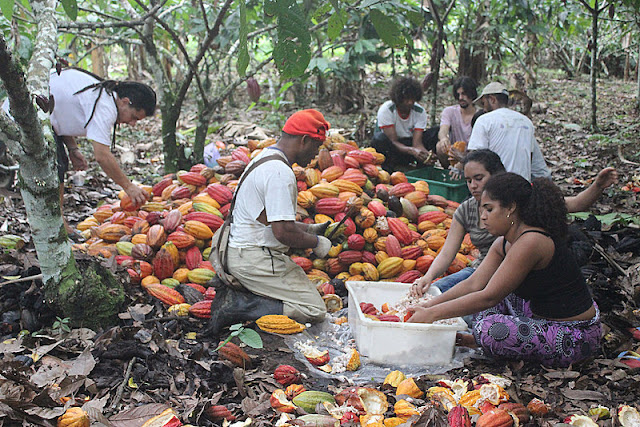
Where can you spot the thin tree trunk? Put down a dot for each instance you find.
(436, 75)
(638, 77)
(594, 67)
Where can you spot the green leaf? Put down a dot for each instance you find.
(236, 326)
(7, 8)
(291, 53)
(388, 29)
(243, 51)
(70, 8)
(250, 338)
(580, 215)
(336, 24)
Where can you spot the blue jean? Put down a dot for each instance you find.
(448, 282)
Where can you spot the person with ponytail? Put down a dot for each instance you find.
(528, 297)
(86, 105)
(89, 106)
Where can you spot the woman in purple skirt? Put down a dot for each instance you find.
(529, 297)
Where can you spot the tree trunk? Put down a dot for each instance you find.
(437, 51)
(202, 129)
(30, 141)
(97, 61)
(638, 77)
(594, 66)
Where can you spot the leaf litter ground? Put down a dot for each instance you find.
(125, 374)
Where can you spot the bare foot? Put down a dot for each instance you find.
(465, 340)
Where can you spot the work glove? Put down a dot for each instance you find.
(318, 229)
(323, 247)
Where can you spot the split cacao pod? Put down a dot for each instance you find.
(74, 417)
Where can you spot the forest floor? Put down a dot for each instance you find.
(125, 374)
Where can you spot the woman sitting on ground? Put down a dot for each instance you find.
(531, 300)
(479, 166)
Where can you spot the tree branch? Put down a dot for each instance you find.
(94, 25)
(204, 15)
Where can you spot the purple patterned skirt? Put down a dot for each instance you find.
(510, 331)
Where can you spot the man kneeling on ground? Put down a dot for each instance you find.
(264, 227)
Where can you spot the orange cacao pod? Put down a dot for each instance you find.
(181, 239)
(495, 418)
(112, 232)
(198, 230)
(332, 173)
(165, 294)
(74, 417)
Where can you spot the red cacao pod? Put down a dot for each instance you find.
(253, 89)
(287, 375)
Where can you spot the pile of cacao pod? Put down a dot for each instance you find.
(393, 232)
(463, 402)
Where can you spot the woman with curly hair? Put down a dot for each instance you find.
(530, 298)
(479, 166)
(400, 133)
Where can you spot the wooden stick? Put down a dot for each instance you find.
(22, 279)
(610, 260)
(123, 384)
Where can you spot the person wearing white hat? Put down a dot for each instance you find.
(508, 133)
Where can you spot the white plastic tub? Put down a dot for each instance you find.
(393, 343)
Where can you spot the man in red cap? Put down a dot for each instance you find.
(263, 229)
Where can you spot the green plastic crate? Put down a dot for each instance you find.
(440, 183)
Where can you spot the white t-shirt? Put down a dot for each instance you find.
(458, 129)
(271, 187)
(71, 112)
(510, 135)
(388, 116)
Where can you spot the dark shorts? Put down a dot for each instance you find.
(383, 145)
(62, 159)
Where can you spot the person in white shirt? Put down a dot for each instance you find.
(263, 229)
(400, 133)
(88, 106)
(455, 121)
(508, 133)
